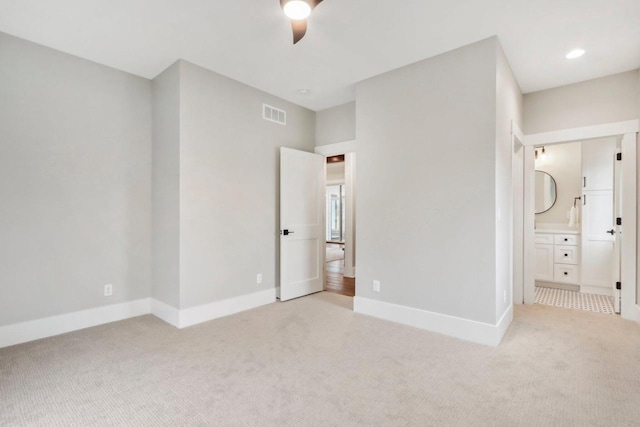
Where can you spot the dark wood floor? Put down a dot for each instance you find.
(335, 282)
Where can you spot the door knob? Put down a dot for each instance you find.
(612, 232)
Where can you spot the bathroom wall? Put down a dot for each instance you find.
(563, 163)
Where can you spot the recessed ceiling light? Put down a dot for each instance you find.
(575, 53)
(303, 91)
(297, 10)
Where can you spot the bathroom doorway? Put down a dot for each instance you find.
(577, 190)
(575, 256)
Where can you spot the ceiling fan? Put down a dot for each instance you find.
(298, 11)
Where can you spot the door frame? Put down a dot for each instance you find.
(517, 233)
(348, 148)
(629, 132)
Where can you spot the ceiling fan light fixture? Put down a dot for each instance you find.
(297, 10)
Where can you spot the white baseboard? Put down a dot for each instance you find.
(202, 313)
(598, 290)
(165, 312)
(465, 329)
(22, 332)
(19, 333)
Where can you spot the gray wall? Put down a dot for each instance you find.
(337, 124)
(166, 186)
(604, 100)
(75, 183)
(431, 127)
(508, 109)
(229, 181)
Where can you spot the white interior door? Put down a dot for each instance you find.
(597, 242)
(617, 213)
(302, 201)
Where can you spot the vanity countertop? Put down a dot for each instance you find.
(556, 229)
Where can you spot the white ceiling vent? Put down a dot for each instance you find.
(274, 114)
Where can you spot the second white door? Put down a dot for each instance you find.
(302, 196)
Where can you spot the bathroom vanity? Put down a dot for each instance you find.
(557, 252)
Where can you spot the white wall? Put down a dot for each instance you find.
(508, 109)
(564, 163)
(229, 184)
(604, 100)
(335, 173)
(336, 124)
(426, 227)
(75, 183)
(166, 186)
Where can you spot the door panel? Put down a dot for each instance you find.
(597, 165)
(617, 252)
(302, 194)
(597, 244)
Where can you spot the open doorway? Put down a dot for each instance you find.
(576, 261)
(597, 230)
(336, 214)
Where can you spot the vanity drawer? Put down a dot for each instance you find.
(566, 273)
(544, 239)
(566, 239)
(566, 254)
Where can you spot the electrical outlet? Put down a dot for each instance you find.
(259, 278)
(505, 296)
(108, 290)
(376, 286)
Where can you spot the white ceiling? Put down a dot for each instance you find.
(347, 41)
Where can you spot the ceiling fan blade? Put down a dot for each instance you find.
(312, 3)
(299, 30)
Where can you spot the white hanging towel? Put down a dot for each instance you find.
(578, 209)
(572, 217)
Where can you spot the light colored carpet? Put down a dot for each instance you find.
(313, 362)
(572, 299)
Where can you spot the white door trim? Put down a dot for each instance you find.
(337, 148)
(349, 149)
(529, 239)
(628, 263)
(517, 240)
(587, 132)
(628, 129)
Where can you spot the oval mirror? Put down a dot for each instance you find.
(546, 192)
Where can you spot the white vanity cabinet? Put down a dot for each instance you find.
(558, 257)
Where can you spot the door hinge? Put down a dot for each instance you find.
(619, 156)
(618, 221)
(618, 285)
